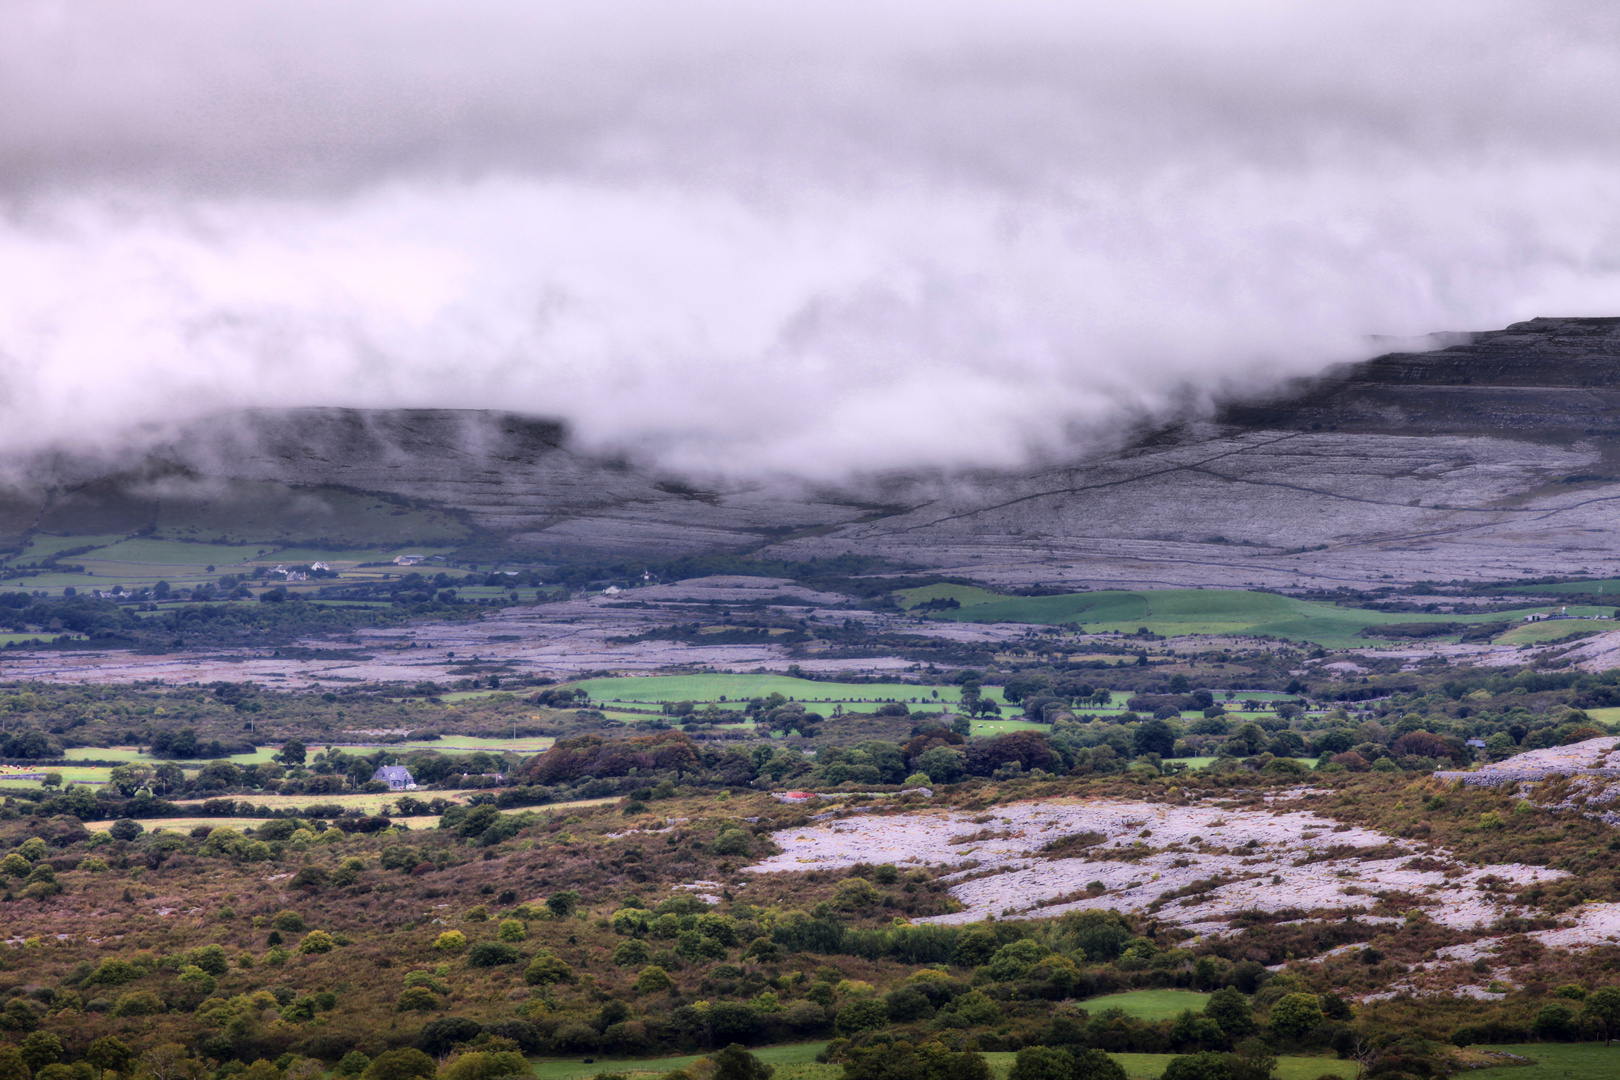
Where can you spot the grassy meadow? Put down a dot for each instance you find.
(136, 562)
(1555, 1061)
(798, 1062)
(1177, 612)
(1149, 1004)
(784, 1057)
(737, 689)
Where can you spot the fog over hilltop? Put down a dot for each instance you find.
(761, 239)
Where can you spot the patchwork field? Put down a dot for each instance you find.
(783, 1057)
(1175, 612)
(737, 689)
(1555, 1061)
(1289, 1067)
(30, 639)
(1551, 630)
(186, 824)
(798, 1062)
(1149, 1004)
(136, 562)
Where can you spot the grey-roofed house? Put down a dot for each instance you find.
(397, 777)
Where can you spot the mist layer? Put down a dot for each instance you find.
(729, 237)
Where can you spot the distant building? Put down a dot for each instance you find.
(397, 777)
(408, 560)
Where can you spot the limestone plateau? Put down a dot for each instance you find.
(1496, 457)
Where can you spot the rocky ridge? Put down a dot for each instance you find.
(1495, 457)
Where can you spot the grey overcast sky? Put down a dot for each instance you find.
(768, 237)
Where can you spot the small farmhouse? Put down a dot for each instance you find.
(397, 777)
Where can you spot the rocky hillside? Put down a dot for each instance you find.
(1493, 458)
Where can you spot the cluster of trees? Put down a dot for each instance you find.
(118, 621)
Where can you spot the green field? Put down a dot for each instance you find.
(1001, 727)
(1551, 630)
(142, 561)
(527, 745)
(71, 774)
(364, 801)
(1149, 1004)
(1151, 1066)
(449, 744)
(780, 1056)
(145, 551)
(962, 594)
(43, 547)
(1556, 1061)
(798, 1062)
(1175, 612)
(186, 824)
(26, 639)
(738, 689)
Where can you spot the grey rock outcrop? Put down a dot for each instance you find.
(1495, 457)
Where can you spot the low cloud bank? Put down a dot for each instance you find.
(849, 239)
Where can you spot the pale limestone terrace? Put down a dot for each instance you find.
(1599, 756)
(1010, 881)
(1594, 924)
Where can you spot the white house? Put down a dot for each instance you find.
(397, 777)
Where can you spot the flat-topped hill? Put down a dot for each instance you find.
(1491, 458)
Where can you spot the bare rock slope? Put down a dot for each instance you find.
(1496, 457)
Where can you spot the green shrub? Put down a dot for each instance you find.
(353, 1064)
(866, 1014)
(138, 1003)
(416, 999)
(492, 954)
(653, 980)
(631, 953)
(401, 1065)
(546, 968)
(288, 922)
(114, 972)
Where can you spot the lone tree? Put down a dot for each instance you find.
(735, 1063)
(1603, 1008)
(292, 753)
(1153, 737)
(408, 1064)
(109, 1052)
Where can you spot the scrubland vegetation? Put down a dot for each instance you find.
(594, 900)
(322, 938)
